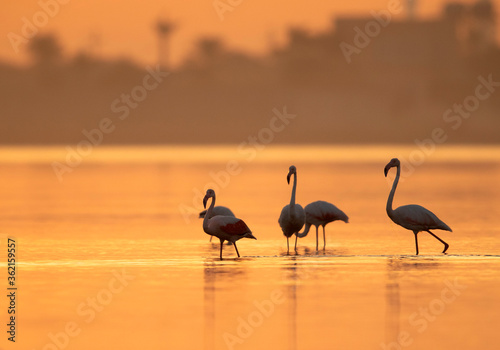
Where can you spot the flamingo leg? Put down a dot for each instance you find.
(287, 246)
(235, 247)
(446, 245)
(211, 238)
(416, 240)
(295, 242)
(221, 244)
(316, 238)
(324, 238)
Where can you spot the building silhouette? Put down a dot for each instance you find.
(394, 89)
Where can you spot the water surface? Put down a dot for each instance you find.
(116, 251)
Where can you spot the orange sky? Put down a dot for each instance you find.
(126, 27)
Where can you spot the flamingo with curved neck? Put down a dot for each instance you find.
(320, 213)
(226, 228)
(292, 215)
(412, 217)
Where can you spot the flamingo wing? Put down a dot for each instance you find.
(238, 228)
(229, 225)
(416, 217)
(323, 212)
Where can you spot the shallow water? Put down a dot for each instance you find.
(114, 256)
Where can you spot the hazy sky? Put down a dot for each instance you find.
(126, 27)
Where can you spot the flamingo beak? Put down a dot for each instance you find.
(386, 169)
(205, 202)
(288, 178)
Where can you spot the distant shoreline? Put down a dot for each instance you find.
(187, 154)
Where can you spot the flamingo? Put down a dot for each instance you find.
(226, 228)
(320, 213)
(413, 217)
(218, 210)
(292, 215)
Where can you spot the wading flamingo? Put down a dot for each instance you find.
(413, 217)
(292, 215)
(320, 213)
(226, 228)
(218, 210)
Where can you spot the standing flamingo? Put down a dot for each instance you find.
(320, 213)
(412, 217)
(226, 228)
(218, 210)
(292, 215)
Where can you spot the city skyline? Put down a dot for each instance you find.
(244, 27)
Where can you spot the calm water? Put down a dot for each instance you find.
(115, 257)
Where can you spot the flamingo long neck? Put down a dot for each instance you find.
(208, 215)
(292, 200)
(388, 208)
(305, 232)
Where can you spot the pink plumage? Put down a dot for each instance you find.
(236, 228)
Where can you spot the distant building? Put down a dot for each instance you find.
(461, 31)
(409, 43)
(482, 27)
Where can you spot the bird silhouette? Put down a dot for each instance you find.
(320, 213)
(413, 217)
(226, 228)
(292, 215)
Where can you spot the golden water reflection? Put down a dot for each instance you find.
(365, 291)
